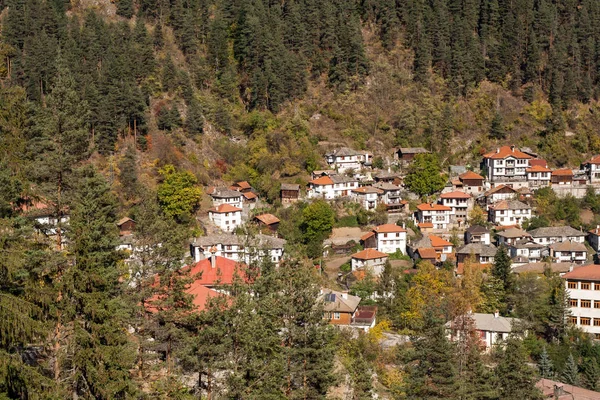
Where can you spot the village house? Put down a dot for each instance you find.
(469, 182)
(346, 159)
(538, 176)
(509, 213)
(390, 196)
(477, 234)
(241, 186)
(226, 217)
(387, 238)
(395, 178)
(342, 309)
(267, 221)
(331, 187)
(557, 234)
(499, 193)
(562, 177)
(569, 251)
(215, 272)
(238, 248)
(431, 248)
(481, 253)
(583, 288)
(436, 214)
(511, 235)
(594, 238)
(366, 196)
(540, 267)
(506, 164)
(592, 169)
(492, 328)
(370, 260)
(126, 226)
(289, 193)
(460, 203)
(525, 251)
(44, 215)
(406, 155)
(222, 196)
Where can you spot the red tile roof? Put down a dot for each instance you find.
(367, 235)
(455, 195)
(367, 189)
(222, 274)
(562, 172)
(388, 228)
(436, 207)
(224, 208)
(242, 185)
(425, 224)
(507, 151)
(200, 295)
(369, 254)
(249, 195)
(322, 181)
(470, 175)
(427, 253)
(537, 168)
(540, 162)
(586, 273)
(267, 219)
(437, 241)
(594, 160)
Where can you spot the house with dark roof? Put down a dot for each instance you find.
(126, 226)
(346, 159)
(523, 251)
(343, 310)
(238, 248)
(555, 234)
(509, 213)
(481, 253)
(222, 195)
(390, 196)
(492, 328)
(583, 289)
(594, 238)
(477, 234)
(366, 196)
(592, 169)
(569, 251)
(511, 235)
(406, 155)
(289, 193)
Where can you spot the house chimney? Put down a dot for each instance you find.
(498, 150)
(213, 257)
(496, 314)
(512, 147)
(558, 390)
(344, 295)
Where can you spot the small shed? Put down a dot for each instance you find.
(290, 193)
(268, 220)
(126, 226)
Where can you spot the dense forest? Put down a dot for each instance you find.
(126, 108)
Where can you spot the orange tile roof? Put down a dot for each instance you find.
(507, 151)
(267, 219)
(588, 272)
(436, 207)
(249, 195)
(594, 160)
(243, 185)
(455, 195)
(470, 175)
(427, 253)
(425, 224)
(367, 235)
(437, 241)
(200, 295)
(537, 168)
(562, 172)
(388, 228)
(222, 274)
(369, 254)
(323, 180)
(223, 208)
(367, 189)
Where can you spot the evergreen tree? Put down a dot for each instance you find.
(497, 128)
(591, 374)
(515, 379)
(545, 366)
(570, 373)
(125, 8)
(194, 120)
(501, 269)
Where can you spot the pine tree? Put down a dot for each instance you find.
(501, 270)
(516, 380)
(591, 374)
(125, 8)
(545, 366)
(497, 127)
(570, 373)
(194, 120)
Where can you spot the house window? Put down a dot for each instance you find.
(337, 316)
(572, 285)
(572, 302)
(573, 320)
(585, 286)
(585, 321)
(586, 304)
(596, 286)
(596, 304)
(596, 321)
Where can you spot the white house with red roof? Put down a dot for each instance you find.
(538, 176)
(226, 217)
(436, 214)
(592, 169)
(367, 196)
(509, 213)
(330, 187)
(507, 163)
(460, 203)
(583, 288)
(370, 260)
(387, 238)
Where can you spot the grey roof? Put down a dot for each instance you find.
(259, 240)
(346, 151)
(343, 302)
(458, 169)
(413, 150)
(290, 186)
(386, 174)
(423, 242)
(386, 186)
(342, 179)
(475, 229)
(568, 245)
(224, 193)
(551, 231)
(485, 250)
(513, 233)
(527, 243)
(491, 323)
(538, 267)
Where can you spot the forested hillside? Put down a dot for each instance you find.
(128, 108)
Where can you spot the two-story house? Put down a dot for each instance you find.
(226, 196)
(387, 238)
(538, 176)
(226, 217)
(594, 238)
(238, 248)
(289, 193)
(481, 253)
(499, 193)
(511, 235)
(469, 182)
(367, 196)
(508, 213)
(525, 251)
(406, 155)
(331, 187)
(477, 234)
(556, 234)
(592, 169)
(460, 203)
(436, 214)
(390, 196)
(569, 251)
(583, 288)
(562, 177)
(342, 309)
(492, 328)
(370, 260)
(507, 163)
(346, 159)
